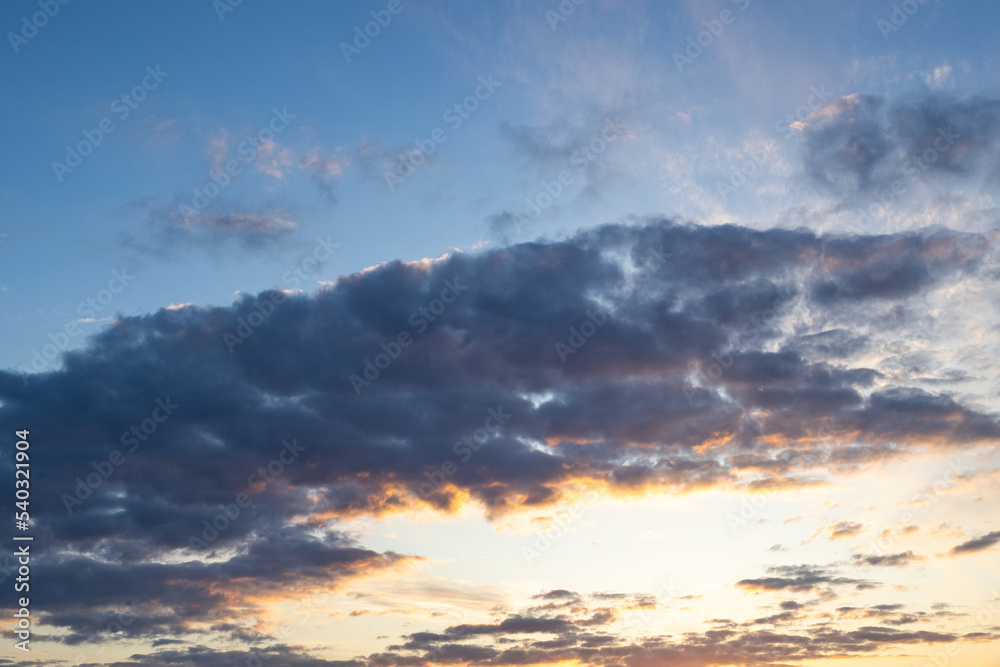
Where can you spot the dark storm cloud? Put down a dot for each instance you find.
(978, 543)
(620, 412)
(860, 143)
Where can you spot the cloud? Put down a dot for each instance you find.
(891, 614)
(977, 544)
(577, 153)
(572, 636)
(326, 170)
(167, 230)
(800, 579)
(551, 144)
(216, 149)
(559, 594)
(919, 124)
(207, 217)
(845, 144)
(887, 560)
(843, 529)
(939, 76)
(861, 144)
(249, 225)
(775, 619)
(502, 222)
(203, 656)
(700, 374)
(85, 592)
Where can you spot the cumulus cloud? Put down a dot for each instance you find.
(703, 372)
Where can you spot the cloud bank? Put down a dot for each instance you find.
(691, 357)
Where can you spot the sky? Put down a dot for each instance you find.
(587, 333)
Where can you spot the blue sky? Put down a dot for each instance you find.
(224, 77)
(776, 220)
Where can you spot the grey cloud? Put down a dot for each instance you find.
(861, 143)
(888, 560)
(977, 543)
(621, 413)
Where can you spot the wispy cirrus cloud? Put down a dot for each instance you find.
(167, 231)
